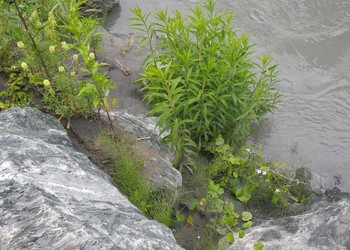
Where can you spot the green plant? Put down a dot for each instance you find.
(54, 56)
(201, 80)
(225, 220)
(246, 174)
(126, 171)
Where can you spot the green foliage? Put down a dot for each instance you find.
(126, 171)
(270, 186)
(53, 55)
(225, 220)
(245, 173)
(201, 80)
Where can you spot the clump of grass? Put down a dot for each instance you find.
(126, 171)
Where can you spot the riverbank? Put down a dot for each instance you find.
(120, 53)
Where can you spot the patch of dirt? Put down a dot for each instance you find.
(83, 133)
(128, 94)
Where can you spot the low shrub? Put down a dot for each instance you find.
(201, 77)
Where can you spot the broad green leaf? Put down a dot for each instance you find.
(241, 233)
(247, 224)
(242, 195)
(246, 216)
(258, 246)
(230, 237)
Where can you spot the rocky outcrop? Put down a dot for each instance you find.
(52, 197)
(325, 226)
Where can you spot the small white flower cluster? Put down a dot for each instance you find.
(260, 171)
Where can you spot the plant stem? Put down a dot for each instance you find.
(32, 40)
(281, 175)
(102, 101)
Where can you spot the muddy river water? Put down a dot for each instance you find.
(310, 41)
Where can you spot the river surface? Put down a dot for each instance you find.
(310, 41)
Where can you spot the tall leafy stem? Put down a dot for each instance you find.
(141, 24)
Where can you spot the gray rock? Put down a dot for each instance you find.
(53, 197)
(315, 181)
(158, 168)
(99, 6)
(325, 226)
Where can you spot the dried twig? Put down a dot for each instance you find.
(143, 138)
(126, 71)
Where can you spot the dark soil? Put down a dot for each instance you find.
(83, 133)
